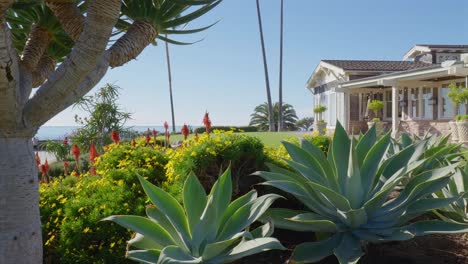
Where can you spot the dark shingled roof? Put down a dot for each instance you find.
(433, 46)
(378, 66)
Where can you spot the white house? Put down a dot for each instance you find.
(414, 90)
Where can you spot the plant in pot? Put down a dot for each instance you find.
(462, 119)
(454, 95)
(376, 106)
(320, 124)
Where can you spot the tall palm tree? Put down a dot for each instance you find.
(260, 116)
(280, 117)
(170, 86)
(265, 66)
(65, 60)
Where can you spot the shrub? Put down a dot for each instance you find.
(376, 106)
(57, 169)
(71, 207)
(320, 109)
(229, 128)
(212, 154)
(206, 229)
(346, 195)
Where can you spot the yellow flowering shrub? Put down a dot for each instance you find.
(213, 153)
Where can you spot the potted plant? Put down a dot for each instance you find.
(462, 119)
(376, 106)
(454, 95)
(320, 125)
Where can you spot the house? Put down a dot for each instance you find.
(414, 90)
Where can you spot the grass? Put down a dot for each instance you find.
(271, 139)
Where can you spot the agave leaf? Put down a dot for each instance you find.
(157, 216)
(169, 206)
(175, 255)
(280, 218)
(265, 230)
(218, 248)
(250, 247)
(316, 251)
(144, 256)
(141, 242)
(406, 140)
(341, 145)
(365, 143)
(234, 206)
(353, 185)
(194, 200)
(353, 218)
(327, 171)
(314, 222)
(372, 161)
(349, 250)
(435, 227)
(310, 173)
(246, 215)
(338, 200)
(143, 226)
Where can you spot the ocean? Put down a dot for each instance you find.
(60, 132)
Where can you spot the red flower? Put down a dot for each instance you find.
(42, 168)
(148, 137)
(155, 134)
(207, 122)
(66, 164)
(185, 131)
(45, 168)
(115, 136)
(38, 160)
(93, 154)
(75, 151)
(65, 141)
(166, 126)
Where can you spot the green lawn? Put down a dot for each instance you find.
(268, 138)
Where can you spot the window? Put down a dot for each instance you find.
(446, 105)
(414, 99)
(427, 103)
(388, 104)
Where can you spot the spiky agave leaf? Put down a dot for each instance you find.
(206, 229)
(347, 193)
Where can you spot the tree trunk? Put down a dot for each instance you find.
(20, 224)
(280, 104)
(265, 66)
(170, 86)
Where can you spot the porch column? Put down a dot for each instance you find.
(346, 111)
(395, 102)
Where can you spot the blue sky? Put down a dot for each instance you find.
(223, 74)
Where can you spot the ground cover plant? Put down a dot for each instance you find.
(206, 229)
(346, 196)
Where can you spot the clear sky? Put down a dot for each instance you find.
(223, 74)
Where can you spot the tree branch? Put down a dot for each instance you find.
(69, 16)
(49, 99)
(4, 5)
(38, 41)
(132, 43)
(44, 68)
(9, 80)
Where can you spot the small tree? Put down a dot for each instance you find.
(459, 96)
(305, 123)
(104, 116)
(376, 106)
(319, 109)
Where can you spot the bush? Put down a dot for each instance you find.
(212, 154)
(201, 130)
(71, 207)
(57, 169)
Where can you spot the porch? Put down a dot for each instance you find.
(415, 101)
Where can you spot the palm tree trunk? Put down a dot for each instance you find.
(20, 224)
(170, 85)
(267, 79)
(280, 104)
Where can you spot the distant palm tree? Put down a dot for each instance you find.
(305, 123)
(280, 117)
(271, 120)
(170, 85)
(260, 117)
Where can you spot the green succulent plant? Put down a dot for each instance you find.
(347, 195)
(458, 210)
(206, 229)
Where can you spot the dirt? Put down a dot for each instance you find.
(434, 249)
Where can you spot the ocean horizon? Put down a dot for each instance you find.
(60, 132)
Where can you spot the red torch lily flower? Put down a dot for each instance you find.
(166, 126)
(207, 122)
(93, 154)
(155, 135)
(148, 138)
(38, 160)
(75, 151)
(46, 165)
(185, 131)
(115, 136)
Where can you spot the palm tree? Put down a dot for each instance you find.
(280, 117)
(271, 120)
(260, 116)
(64, 48)
(305, 123)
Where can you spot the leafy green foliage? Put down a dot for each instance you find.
(320, 109)
(305, 123)
(229, 128)
(206, 229)
(347, 195)
(259, 117)
(60, 150)
(105, 115)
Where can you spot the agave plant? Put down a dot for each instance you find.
(457, 211)
(206, 229)
(347, 195)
